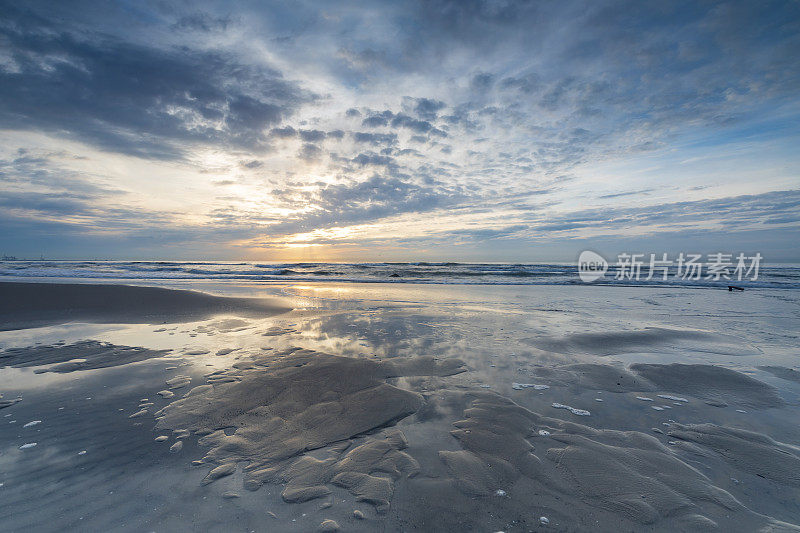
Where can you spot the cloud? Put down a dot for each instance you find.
(134, 99)
(372, 159)
(427, 108)
(359, 202)
(462, 112)
(415, 125)
(312, 135)
(734, 213)
(375, 139)
(203, 22)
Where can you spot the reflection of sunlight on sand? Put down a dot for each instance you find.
(536, 346)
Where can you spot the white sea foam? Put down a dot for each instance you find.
(673, 398)
(573, 410)
(521, 386)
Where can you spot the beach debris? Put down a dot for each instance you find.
(731, 288)
(573, 410)
(521, 386)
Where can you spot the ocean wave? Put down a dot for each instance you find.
(784, 277)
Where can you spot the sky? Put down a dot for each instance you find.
(400, 130)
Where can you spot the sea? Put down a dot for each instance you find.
(774, 276)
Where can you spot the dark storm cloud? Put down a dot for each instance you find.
(133, 99)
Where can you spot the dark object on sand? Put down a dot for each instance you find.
(395, 275)
(731, 287)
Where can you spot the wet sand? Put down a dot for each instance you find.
(26, 305)
(371, 408)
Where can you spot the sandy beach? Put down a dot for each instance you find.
(364, 407)
(492, 266)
